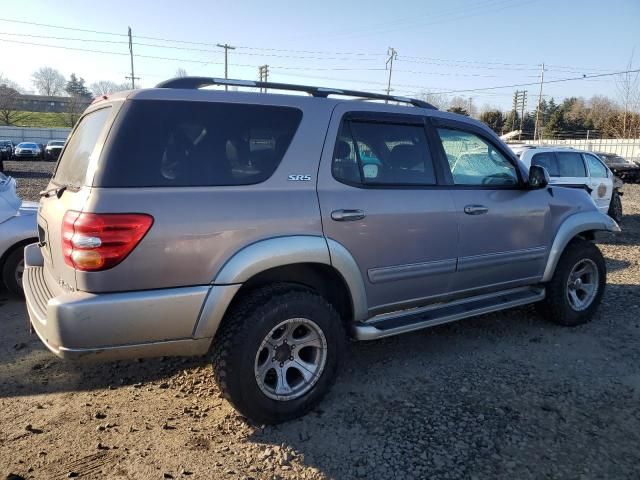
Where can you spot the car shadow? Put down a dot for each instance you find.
(630, 234)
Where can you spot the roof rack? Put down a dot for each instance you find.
(199, 82)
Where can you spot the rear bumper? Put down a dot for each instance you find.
(112, 326)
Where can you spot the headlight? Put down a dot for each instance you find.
(17, 150)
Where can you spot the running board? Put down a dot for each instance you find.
(395, 323)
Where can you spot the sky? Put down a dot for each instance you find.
(451, 46)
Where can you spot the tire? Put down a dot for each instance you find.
(12, 270)
(559, 305)
(615, 207)
(248, 381)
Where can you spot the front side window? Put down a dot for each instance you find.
(596, 168)
(373, 153)
(570, 164)
(473, 161)
(548, 161)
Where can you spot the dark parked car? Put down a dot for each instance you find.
(53, 149)
(26, 150)
(626, 170)
(6, 149)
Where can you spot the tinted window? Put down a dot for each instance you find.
(72, 167)
(197, 144)
(570, 164)
(382, 154)
(473, 161)
(596, 168)
(548, 161)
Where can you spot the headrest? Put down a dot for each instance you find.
(405, 156)
(343, 149)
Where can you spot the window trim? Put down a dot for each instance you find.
(479, 132)
(387, 119)
(555, 159)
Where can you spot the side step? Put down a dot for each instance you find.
(395, 323)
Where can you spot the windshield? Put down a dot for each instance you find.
(55, 144)
(27, 145)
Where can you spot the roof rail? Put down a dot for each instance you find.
(199, 82)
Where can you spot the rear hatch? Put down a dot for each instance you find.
(69, 189)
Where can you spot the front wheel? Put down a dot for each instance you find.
(615, 207)
(576, 288)
(277, 352)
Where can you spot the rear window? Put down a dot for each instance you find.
(570, 164)
(72, 167)
(183, 144)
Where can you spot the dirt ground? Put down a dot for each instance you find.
(505, 395)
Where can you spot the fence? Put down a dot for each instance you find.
(36, 135)
(628, 148)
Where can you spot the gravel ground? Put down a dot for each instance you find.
(505, 395)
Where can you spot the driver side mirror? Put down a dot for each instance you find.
(538, 177)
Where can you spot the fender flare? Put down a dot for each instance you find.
(573, 225)
(277, 252)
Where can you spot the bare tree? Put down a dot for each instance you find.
(10, 113)
(105, 87)
(48, 81)
(75, 107)
(628, 87)
(438, 100)
(181, 72)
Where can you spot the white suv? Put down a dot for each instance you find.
(576, 168)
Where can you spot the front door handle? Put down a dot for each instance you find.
(347, 215)
(475, 209)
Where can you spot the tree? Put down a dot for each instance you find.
(48, 81)
(628, 87)
(106, 87)
(458, 110)
(436, 99)
(10, 113)
(75, 107)
(76, 88)
(493, 119)
(181, 72)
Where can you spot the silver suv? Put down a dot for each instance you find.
(267, 229)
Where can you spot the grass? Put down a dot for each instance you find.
(42, 120)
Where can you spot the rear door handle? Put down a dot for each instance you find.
(347, 215)
(475, 209)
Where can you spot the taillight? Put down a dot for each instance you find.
(98, 241)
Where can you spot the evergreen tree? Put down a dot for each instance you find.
(76, 88)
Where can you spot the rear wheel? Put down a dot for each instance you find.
(615, 207)
(277, 352)
(12, 271)
(575, 291)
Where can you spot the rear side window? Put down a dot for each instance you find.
(72, 167)
(380, 153)
(570, 164)
(548, 161)
(596, 168)
(183, 144)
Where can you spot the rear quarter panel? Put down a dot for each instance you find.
(196, 230)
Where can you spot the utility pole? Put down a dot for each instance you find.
(519, 102)
(393, 54)
(470, 105)
(133, 77)
(263, 71)
(535, 130)
(523, 102)
(226, 47)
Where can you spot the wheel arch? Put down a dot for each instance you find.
(312, 261)
(581, 224)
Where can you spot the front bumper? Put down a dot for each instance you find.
(112, 326)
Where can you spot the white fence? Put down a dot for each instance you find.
(36, 135)
(625, 147)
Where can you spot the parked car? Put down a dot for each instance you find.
(6, 149)
(262, 238)
(53, 149)
(577, 168)
(27, 150)
(627, 170)
(18, 228)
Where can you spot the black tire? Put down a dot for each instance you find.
(615, 207)
(556, 306)
(249, 322)
(9, 271)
